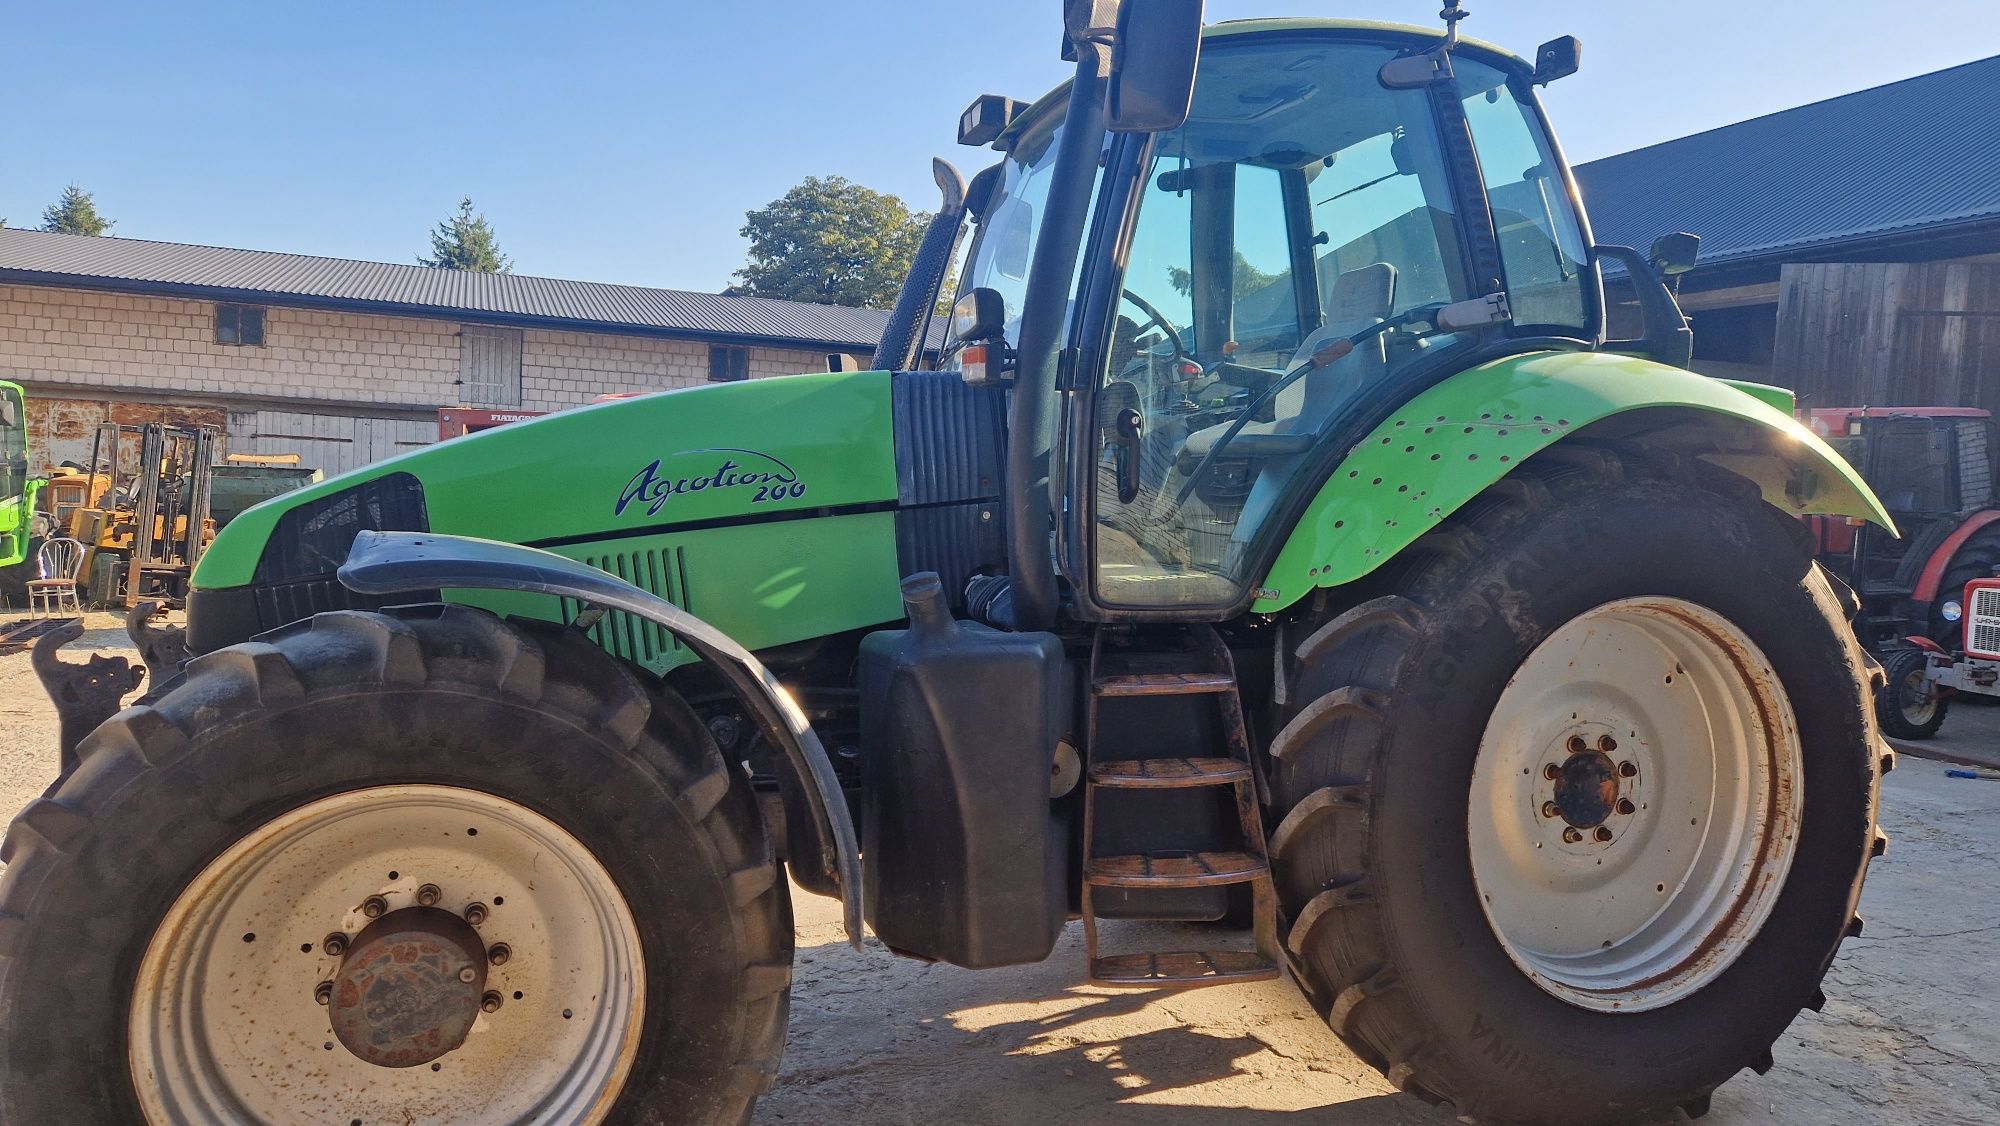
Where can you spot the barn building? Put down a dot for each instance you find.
(346, 362)
(1850, 248)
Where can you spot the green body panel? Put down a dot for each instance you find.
(17, 508)
(1456, 439)
(668, 490)
(1779, 398)
(762, 584)
(16, 515)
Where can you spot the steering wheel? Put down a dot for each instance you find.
(1155, 317)
(1420, 315)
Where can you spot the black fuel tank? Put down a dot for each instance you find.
(964, 859)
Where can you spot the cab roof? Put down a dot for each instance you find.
(1278, 25)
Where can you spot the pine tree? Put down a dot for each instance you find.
(466, 242)
(75, 214)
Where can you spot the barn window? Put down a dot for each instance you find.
(239, 325)
(726, 365)
(489, 366)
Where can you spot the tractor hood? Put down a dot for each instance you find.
(700, 456)
(776, 509)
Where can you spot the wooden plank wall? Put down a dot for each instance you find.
(1890, 334)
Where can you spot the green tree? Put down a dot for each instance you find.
(831, 241)
(466, 242)
(1247, 279)
(75, 214)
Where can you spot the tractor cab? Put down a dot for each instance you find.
(1933, 469)
(1332, 228)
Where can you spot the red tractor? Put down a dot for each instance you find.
(1933, 469)
(1924, 677)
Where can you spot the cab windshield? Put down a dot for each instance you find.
(1004, 245)
(1289, 240)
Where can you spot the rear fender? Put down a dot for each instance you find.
(399, 562)
(1932, 578)
(1456, 439)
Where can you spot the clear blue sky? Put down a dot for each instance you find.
(623, 141)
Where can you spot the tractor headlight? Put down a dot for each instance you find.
(1952, 611)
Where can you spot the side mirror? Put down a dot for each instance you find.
(1675, 253)
(7, 416)
(979, 324)
(1558, 58)
(979, 315)
(1153, 65)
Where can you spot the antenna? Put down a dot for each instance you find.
(1451, 15)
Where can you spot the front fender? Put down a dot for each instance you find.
(398, 562)
(1455, 439)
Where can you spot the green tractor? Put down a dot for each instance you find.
(1280, 544)
(17, 495)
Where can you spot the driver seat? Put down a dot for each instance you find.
(1357, 299)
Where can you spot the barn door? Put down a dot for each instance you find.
(490, 366)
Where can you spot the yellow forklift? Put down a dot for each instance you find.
(144, 529)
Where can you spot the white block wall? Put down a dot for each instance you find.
(163, 348)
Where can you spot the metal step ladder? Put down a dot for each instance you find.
(1250, 865)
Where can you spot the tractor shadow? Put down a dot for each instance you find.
(884, 1039)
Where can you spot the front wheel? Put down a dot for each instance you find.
(1909, 703)
(415, 866)
(1576, 813)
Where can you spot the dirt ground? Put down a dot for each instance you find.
(1910, 1035)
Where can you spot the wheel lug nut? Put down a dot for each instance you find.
(475, 913)
(323, 992)
(1577, 746)
(499, 954)
(467, 975)
(374, 906)
(1603, 835)
(429, 894)
(1606, 744)
(490, 1002)
(1628, 770)
(1571, 835)
(1552, 772)
(335, 944)
(1626, 807)
(1549, 809)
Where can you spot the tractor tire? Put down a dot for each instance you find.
(1908, 704)
(1977, 558)
(214, 917)
(1479, 827)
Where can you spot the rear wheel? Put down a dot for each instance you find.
(1909, 703)
(1578, 815)
(417, 866)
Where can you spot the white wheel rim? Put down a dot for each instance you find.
(1700, 816)
(226, 1028)
(1919, 698)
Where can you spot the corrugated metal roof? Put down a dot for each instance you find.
(1919, 154)
(37, 257)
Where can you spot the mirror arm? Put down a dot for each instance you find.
(1666, 336)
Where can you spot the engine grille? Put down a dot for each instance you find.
(312, 540)
(1982, 622)
(661, 571)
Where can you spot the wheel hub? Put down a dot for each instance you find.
(409, 987)
(1586, 790)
